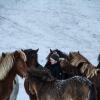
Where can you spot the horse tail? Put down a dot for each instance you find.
(93, 93)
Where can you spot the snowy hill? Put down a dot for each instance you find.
(69, 25)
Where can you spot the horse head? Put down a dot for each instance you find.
(58, 52)
(32, 57)
(20, 63)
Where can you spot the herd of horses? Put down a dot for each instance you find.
(82, 84)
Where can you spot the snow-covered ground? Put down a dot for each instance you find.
(68, 25)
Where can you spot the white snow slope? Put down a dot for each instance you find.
(69, 25)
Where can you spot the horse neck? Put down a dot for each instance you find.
(30, 64)
(9, 78)
(47, 63)
(37, 86)
(74, 70)
(37, 63)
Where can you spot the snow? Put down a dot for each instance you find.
(69, 25)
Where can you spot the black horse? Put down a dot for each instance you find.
(56, 69)
(32, 60)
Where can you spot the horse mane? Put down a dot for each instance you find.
(60, 53)
(94, 72)
(31, 54)
(89, 70)
(6, 64)
(77, 58)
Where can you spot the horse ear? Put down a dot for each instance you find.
(78, 52)
(22, 50)
(3, 54)
(50, 50)
(37, 50)
(16, 54)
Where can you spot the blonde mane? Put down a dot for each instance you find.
(6, 64)
(89, 70)
(77, 58)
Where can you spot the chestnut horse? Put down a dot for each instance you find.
(75, 88)
(10, 65)
(32, 60)
(77, 64)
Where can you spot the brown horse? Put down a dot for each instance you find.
(86, 68)
(10, 65)
(77, 64)
(32, 60)
(95, 79)
(75, 88)
(78, 60)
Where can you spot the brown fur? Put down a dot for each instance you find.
(78, 60)
(32, 60)
(79, 64)
(18, 67)
(75, 88)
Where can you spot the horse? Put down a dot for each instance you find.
(94, 73)
(86, 68)
(77, 64)
(14, 93)
(75, 88)
(32, 60)
(78, 60)
(11, 64)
